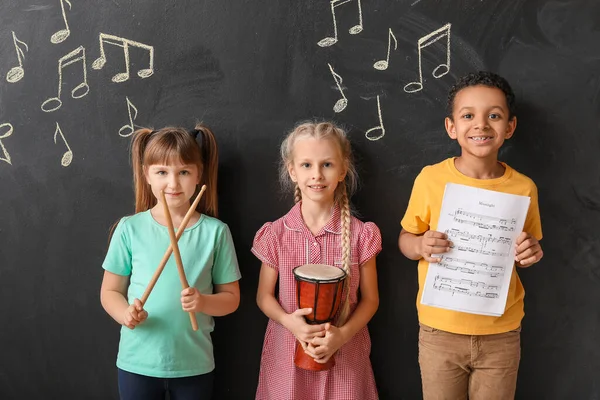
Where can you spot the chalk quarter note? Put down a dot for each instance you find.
(443, 68)
(6, 130)
(15, 74)
(356, 29)
(380, 127)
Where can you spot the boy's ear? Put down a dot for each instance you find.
(450, 127)
(510, 130)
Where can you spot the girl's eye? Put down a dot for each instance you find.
(161, 172)
(185, 172)
(327, 164)
(305, 165)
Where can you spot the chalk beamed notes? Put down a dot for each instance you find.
(125, 44)
(356, 29)
(439, 71)
(76, 56)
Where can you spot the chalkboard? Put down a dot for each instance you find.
(251, 70)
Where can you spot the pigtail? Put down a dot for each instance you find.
(346, 219)
(297, 194)
(210, 159)
(144, 199)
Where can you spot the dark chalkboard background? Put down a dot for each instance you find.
(250, 70)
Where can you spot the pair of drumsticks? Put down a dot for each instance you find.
(174, 248)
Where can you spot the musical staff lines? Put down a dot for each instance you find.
(61, 35)
(77, 55)
(125, 44)
(471, 267)
(15, 74)
(484, 221)
(67, 157)
(341, 104)
(443, 68)
(356, 29)
(4, 135)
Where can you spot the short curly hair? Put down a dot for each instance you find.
(484, 78)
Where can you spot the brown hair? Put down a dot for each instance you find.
(345, 189)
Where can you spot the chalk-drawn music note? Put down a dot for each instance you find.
(16, 73)
(54, 103)
(60, 36)
(356, 29)
(383, 64)
(341, 104)
(68, 155)
(130, 127)
(378, 127)
(124, 43)
(6, 157)
(441, 69)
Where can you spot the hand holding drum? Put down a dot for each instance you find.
(319, 287)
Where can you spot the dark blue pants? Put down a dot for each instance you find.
(140, 387)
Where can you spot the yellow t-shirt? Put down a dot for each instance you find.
(422, 214)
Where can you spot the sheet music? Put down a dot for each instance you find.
(483, 226)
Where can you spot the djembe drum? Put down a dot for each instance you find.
(319, 287)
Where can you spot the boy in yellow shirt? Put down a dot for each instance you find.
(462, 354)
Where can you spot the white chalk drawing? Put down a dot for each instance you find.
(130, 128)
(16, 73)
(383, 64)
(77, 55)
(68, 155)
(6, 157)
(356, 29)
(125, 44)
(341, 104)
(61, 35)
(378, 127)
(440, 70)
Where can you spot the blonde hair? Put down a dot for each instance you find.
(175, 144)
(345, 189)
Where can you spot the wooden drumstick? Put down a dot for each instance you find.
(169, 250)
(175, 246)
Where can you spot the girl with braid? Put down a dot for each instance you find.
(316, 161)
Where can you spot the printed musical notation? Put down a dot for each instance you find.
(61, 35)
(383, 64)
(444, 287)
(341, 104)
(77, 55)
(465, 282)
(4, 135)
(441, 69)
(356, 29)
(378, 127)
(68, 155)
(484, 221)
(130, 128)
(15, 74)
(471, 267)
(125, 44)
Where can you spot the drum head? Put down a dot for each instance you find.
(319, 272)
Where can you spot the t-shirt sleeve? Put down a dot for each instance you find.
(265, 246)
(118, 256)
(418, 213)
(369, 242)
(533, 221)
(225, 265)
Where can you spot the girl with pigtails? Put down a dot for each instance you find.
(316, 160)
(158, 350)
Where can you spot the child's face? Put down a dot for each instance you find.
(177, 180)
(480, 121)
(317, 167)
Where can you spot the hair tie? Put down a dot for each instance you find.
(194, 133)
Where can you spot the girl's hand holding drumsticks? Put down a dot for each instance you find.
(135, 314)
(192, 300)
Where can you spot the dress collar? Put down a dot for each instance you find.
(293, 221)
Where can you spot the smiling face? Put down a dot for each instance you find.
(177, 180)
(317, 167)
(480, 121)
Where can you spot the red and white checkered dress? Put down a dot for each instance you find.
(288, 243)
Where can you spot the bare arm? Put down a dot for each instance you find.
(294, 322)
(113, 296)
(416, 247)
(225, 300)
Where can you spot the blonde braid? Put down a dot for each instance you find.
(297, 194)
(346, 219)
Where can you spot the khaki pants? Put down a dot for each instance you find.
(477, 367)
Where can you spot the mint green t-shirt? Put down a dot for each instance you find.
(165, 345)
